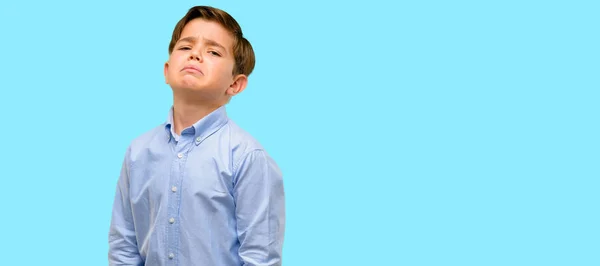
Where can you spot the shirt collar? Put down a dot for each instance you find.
(201, 129)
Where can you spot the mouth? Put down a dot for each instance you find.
(192, 69)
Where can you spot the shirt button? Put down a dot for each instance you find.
(198, 139)
(172, 220)
(180, 156)
(171, 255)
(174, 189)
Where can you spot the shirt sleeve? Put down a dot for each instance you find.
(122, 241)
(260, 209)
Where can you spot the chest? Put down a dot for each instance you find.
(188, 172)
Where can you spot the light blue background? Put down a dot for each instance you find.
(429, 133)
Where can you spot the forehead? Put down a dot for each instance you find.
(204, 29)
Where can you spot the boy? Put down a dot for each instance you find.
(198, 190)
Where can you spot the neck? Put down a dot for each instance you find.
(188, 112)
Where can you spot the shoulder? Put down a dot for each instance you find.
(145, 140)
(240, 139)
(241, 143)
(247, 153)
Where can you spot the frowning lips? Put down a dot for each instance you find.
(192, 68)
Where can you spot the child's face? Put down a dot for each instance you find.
(202, 61)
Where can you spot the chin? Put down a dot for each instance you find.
(187, 88)
(190, 85)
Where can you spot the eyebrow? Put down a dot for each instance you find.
(214, 43)
(191, 39)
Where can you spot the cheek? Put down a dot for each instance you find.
(174, 66)
(172, 70)
(225, 70)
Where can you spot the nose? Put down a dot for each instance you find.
(195, 55)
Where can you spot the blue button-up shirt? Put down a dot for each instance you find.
(211, 196)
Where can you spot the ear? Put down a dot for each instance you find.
(239, 84)
(165, 72)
